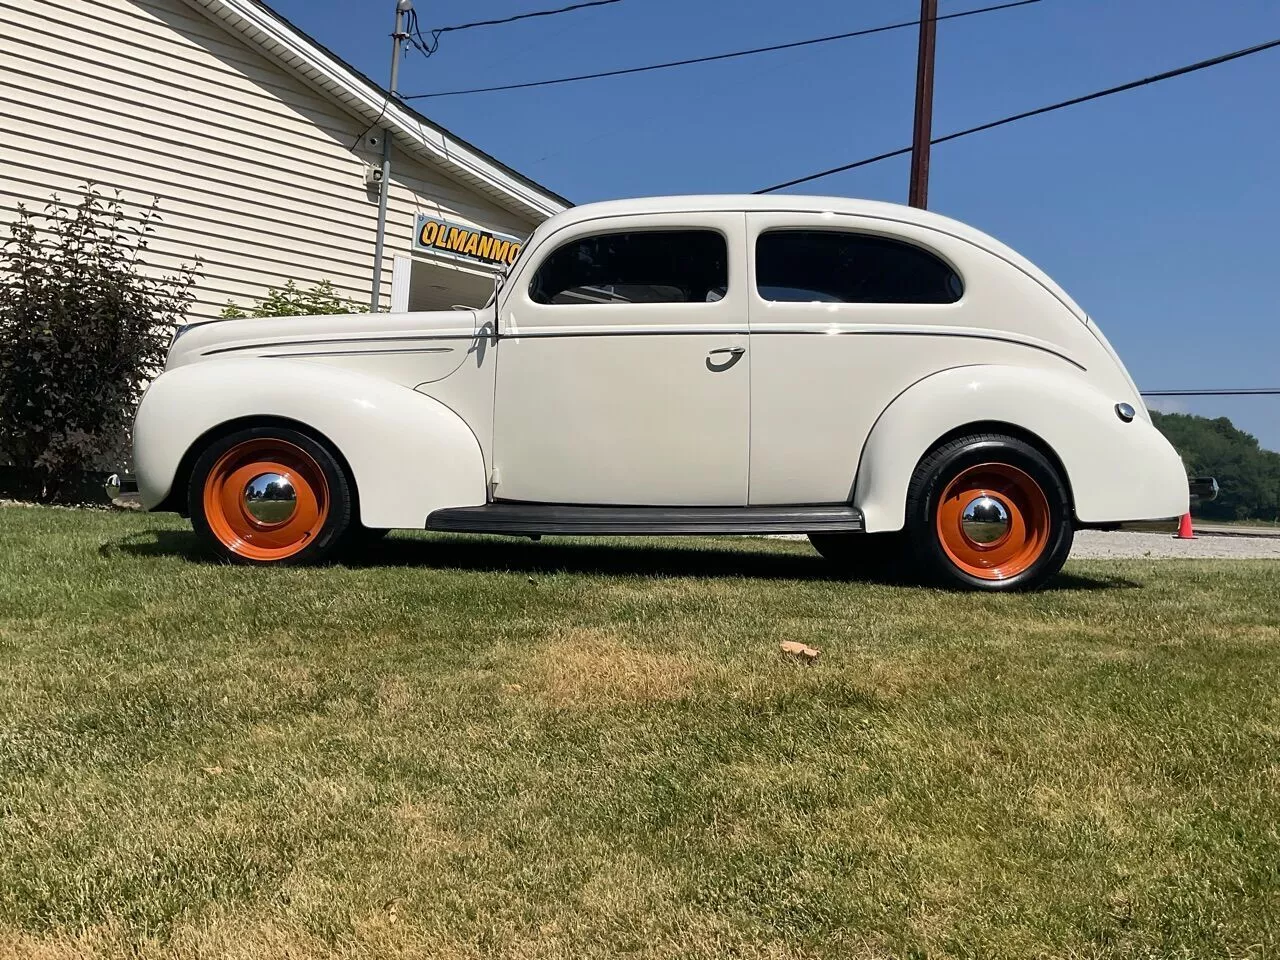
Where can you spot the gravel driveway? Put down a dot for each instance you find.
(1095, 543)
(1124, 545)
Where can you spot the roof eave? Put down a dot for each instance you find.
(297, 52)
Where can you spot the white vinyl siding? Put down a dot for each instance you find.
(254, 168)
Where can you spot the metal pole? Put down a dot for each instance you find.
(919, 196)
(384, 185)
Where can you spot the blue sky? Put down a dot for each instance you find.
(1156, 209)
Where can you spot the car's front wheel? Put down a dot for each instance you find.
(989, 512)
(269, 495)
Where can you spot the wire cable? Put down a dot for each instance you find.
(428, 47)
(524, 16)
(1250, 392)
(376, 120)
(719, 56)
(1097, 95)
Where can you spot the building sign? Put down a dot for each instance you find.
(431, 235)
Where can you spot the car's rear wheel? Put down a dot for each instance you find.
(270, 496)
(989, 512)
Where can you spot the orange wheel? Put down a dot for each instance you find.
(265, 499)
(993, 521)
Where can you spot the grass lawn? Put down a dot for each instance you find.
(576, 749)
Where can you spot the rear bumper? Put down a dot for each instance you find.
(1201, 489)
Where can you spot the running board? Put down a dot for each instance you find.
(532, 519)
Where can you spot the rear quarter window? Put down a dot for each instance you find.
(840, 266)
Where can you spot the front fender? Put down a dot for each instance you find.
(408, 453)
(1117, 471)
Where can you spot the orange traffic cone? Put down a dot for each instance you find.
(1184, 528)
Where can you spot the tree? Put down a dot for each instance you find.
(320, 301)
(83, 325)
(1248, 475)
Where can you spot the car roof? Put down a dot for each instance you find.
(741, 201)
(796, 203)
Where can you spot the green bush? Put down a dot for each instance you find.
(1248, 475)
(320, 301)
(83, 325)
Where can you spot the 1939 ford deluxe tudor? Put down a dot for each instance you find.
(880, 378)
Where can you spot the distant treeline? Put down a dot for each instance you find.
(1248, 475)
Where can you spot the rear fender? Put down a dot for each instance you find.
(1116, 471)
(408, 453)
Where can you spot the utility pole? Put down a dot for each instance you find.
(384, 184)
(919, 196)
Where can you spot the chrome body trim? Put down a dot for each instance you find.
(361, 353)
(336, 341)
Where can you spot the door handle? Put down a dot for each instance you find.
(734, 355)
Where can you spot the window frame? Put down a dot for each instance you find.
(622, 228)
(775, 224)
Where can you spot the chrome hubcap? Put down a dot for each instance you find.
(985, 520)
(269, 499)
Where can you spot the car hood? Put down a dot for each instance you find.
(298, 337)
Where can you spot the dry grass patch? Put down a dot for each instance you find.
(589, 668)
(396, 696)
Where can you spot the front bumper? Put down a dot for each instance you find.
(1203, 488)
(122, 488)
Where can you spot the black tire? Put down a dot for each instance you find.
(1035, 493)
(876, 556)
(237, 538)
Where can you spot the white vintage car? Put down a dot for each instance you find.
(880, 378)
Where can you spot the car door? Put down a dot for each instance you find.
(623, 375)
(846, 313)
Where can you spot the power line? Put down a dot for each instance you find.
(1168, 75)
(719, 56)
(524, 16)
(1251, 392)
(413, 33)
(428, 47)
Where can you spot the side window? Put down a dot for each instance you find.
(833, 266)
(655, 266)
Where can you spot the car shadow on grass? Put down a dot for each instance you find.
(618, 557)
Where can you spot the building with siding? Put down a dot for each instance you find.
(259, 144)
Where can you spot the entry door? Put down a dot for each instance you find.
(623, 373)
